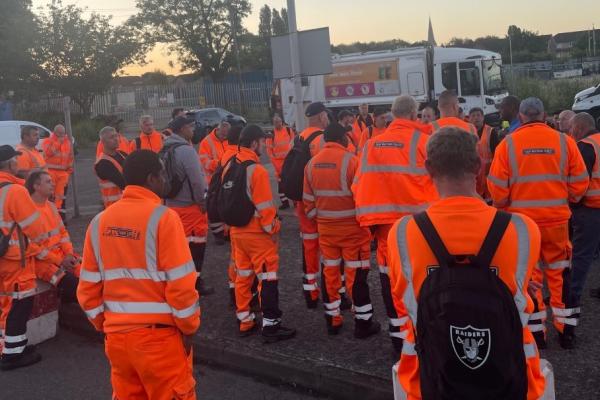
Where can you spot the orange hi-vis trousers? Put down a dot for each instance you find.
(150, 364)
(380, 232)
(555, 265)
(61, 180)
(310, 253)
(348, 245)
(231, 270)
(256, 255)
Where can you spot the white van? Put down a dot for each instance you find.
(10, 131)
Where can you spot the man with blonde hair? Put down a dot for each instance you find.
(149, 138)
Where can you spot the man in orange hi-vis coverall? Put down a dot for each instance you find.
(137, 286)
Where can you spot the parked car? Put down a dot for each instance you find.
(588, 100)
(208, 118)
(10, 132)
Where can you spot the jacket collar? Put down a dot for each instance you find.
(140, 193)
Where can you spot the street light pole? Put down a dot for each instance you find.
(295, 59)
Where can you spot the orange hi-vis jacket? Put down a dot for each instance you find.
(258, 189)
(110, 192)
(124, 146)
(454, 122)
(58, 154)
(327, 180)
(279, 146)
(56, 242)
(30, 159)
(137, 268)
(230, 151)
(485, 153)
(211, 150)
(537, 171)
(592, 195)
(391, 180)
(153, 141)
(368, 133)
(462, 223)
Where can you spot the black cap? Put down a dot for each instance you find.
(315, 108)
(7, 152)
(180, 122)
(334, 132)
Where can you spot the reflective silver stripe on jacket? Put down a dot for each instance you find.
(538, 203)
(410, 169)
(385, 208)
(517, 178)
(149, 307)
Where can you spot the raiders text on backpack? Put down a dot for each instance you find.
(292, 172)
(469, 334)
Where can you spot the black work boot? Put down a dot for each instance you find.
(567, 338)
(310, 303)
(540, 340)
(203, 289)
(13, 361)
(276, 333)
(364, 329)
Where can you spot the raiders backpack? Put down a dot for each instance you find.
(469, 334)
(292, 171)
(234, 206)
(212, 200)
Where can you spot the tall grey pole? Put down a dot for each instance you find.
(67, 111)
(295, 58)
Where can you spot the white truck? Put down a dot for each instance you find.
(378, 77)
(588, 100)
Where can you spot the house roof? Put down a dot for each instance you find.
(567, 37)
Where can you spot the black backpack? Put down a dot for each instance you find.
(292, 171)
(234, 206)
(212, 194)
(174, 182)
(469, 334)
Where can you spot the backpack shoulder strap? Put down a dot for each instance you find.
(138, 143)
(493, 238)
(3, 184)
(370, 131)
(433, 239)
(289, 131)
(313, 136)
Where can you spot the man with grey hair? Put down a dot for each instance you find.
(149, 138)
(109, 166)
(537, 171)
(586, 214)
(391, 182)
(565, 120)
(450, 113)
(461, 222)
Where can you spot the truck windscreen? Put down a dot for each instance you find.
(493, 78)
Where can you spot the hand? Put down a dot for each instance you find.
(68, 262)
(187, 343)
(533, 287)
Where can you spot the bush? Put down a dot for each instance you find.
(557, 94)
(86, 131)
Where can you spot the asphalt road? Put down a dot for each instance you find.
(74, 367)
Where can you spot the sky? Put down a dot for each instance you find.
(360, 20)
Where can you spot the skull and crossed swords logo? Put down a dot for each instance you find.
(471, 345)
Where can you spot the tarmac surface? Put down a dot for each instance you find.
(337, 366)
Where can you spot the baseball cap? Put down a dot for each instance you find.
(7, 152)
(180, 122)
(315, 108)
(531, 106)
(334, 132)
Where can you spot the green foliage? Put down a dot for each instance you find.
(200, 32)
(86, 131)
(156, 77)
(361, 47)
(557, 95)
(79, 56)
(279, 22)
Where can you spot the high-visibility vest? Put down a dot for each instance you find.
(137, 269)
(454, 122)
(153, 142)
(592, 195)
(110, 192)
(280, 145)
(56, 240)
(457, 218)
(211, 150)
(258, 187)
(537, 171)
(391, 180)
(327, 180)
(58, 154)
(486, 155)
(30, 160)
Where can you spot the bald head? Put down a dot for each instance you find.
(565, 120)
(582, 124)
(405, 107)
(59, 130)
(448, 104)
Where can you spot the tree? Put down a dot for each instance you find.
(80, 56)
(284, 17)
(18, 34)
(264, 26)
(200, 32)
(280, 26)
(156, 77)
